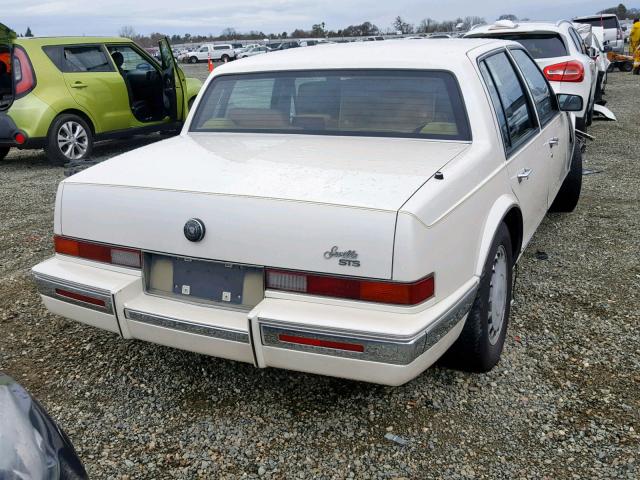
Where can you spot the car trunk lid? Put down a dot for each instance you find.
(268, 200)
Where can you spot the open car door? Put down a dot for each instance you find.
(7, 37)
(173, 82)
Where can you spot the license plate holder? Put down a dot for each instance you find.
(217, 282)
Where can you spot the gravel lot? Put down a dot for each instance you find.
(563, 403)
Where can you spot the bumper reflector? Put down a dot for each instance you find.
(80, 298)
(351, 347)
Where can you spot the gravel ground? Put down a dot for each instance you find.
(562, 403)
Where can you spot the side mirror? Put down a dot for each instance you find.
(592, 52)
(570, 103)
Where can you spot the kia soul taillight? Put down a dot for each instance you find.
(23, 74)
(571, 71)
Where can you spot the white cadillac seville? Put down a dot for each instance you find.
(347, 210)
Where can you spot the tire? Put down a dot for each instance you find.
(626, 66)
(225, 58)
(4, 151)
(193, 60)
(480, 344)
(567, 197)
(79, 138)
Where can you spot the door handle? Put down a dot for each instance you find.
(524, 174)
(553, 141)
(78, 85)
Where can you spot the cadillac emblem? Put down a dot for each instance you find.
(194, 230)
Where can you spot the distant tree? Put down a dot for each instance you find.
(28, 32)
(508, 16)
(283, 35)
(127, 32)
(299, 33)
(318, 30)
(401, 26)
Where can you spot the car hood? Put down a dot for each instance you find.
(366, 172)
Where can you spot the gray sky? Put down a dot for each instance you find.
(105, 17)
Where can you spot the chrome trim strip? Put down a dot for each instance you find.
(390, 349)
(187, 327)
(47, 286)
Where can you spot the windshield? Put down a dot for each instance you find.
(394, 103)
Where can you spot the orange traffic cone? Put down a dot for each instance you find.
(210, 66)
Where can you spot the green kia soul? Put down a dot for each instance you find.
(63, 94)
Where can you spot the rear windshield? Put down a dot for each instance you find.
(393, 103)
(605, 22)
(539, 45)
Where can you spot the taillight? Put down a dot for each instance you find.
(572, 71)
(24, 77)
(396, 293)
(126, 257)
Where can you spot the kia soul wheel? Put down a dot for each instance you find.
(70, 139)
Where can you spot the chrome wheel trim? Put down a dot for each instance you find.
(498, 289)
(73, 140)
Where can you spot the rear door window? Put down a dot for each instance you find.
(518, 112)
(605, 22)
(85, 58)
(543, 97)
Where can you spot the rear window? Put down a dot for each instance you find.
(605, 22)
(541, 45)
(393, 103)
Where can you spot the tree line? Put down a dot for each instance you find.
(318, 30)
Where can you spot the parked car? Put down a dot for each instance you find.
(592, 38)
(439, 35)
(244, 48)
(65, 93)
(323, 214)
(254, 51)
(32, 445)
(560, 53)
(283, 45)
(222, 52)
(613, 34)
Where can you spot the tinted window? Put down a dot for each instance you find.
(540, 45)
(127, 59)
(222, 47)
(514, 100)
(606, 22)
(543, 97)
(422, 104)
(85, 59)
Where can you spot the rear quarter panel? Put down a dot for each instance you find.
(447, 226)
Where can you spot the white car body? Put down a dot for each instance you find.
(304, 202)
(257, 50)
(573, 51)
(593, 39)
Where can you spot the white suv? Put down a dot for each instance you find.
(224, 52)
(559, 51)
(613, 34)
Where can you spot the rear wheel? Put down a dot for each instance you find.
(480, 344)
(69, 139)
(225, 58)
(193, 59)
(567, 197)
(4, 151)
